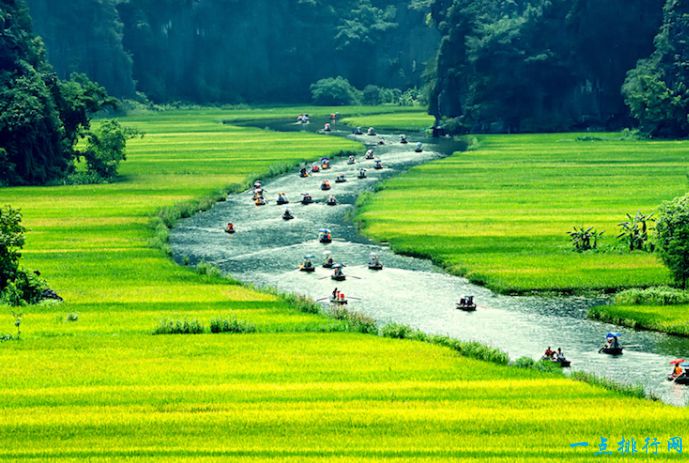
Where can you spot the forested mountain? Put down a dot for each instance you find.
(657, 90)
(525, 65)
(512, 66)
(41, 116)
(235, 50)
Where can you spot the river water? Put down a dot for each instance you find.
(267, 250)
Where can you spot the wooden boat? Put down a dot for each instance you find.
(683, 379)
(466, 304)
(339, 301)
(375, 266)
(282, 200)
(308, 269)
(341, 179)
(340, 277)
(325, 186)
(564, 363)
(287, 216)
(611, 350)
(307, 199)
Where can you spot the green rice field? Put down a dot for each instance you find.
(302, 388)
(499, 213)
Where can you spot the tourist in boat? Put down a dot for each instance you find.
(403, 139)
(419, 147)
(549, 353)
(336, 293)
(327, 128)
(559, 356)
(362, 173)
(303, 173)
(229, 228)
(369, 155)
(351, 160)
(287, 215)
(371, 132)
(677, 371)
(358, 131)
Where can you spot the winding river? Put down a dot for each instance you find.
(266, 251)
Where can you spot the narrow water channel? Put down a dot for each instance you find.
(266, 251)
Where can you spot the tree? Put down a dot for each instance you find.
(11, 243)
(17, 286)
(334, 91)
(657, 90)
(105, 148)
(41, 117)
(672, 230)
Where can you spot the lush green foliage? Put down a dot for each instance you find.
(17, 286)
(672, 233)
(223, 325)
(41, 117)
(657, 90)
(538, 65)
(335, 91)
(105, 148)
(235, 51)
(179, 327)
(499, 213)
(657, 295)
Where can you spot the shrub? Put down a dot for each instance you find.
(660, 295)
(472, 349)
(179, 327)
(356, 321)
(335, 91)
(585, 239)
(635, 232)
(397, 331)
(371, 95)
(72, 317)
(301, 303)
(105, 148)
(209, 270)
(672, 232)
(219, 325)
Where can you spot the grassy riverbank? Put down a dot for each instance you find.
(499, 214)
(104, 389)
(410, 120)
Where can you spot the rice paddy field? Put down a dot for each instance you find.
(406, 119)
(499, 213)
(301, 388)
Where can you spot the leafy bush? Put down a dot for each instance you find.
(371, 95)
(356, 322)
(209, 270)
(672, 232)
(179, 327)
(472, 349)
(335, 91)
(105, 148)
(397, 331)
(73, 317)
(659, 295)
(585, 239)
(219, 325)
(635, 232)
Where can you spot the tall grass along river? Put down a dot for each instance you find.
(267, 250)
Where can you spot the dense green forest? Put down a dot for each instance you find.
(235, 50)
(535, 65)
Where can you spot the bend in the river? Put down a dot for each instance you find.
(266, 251)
